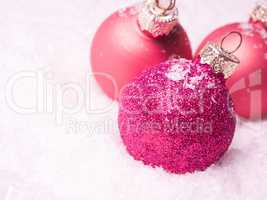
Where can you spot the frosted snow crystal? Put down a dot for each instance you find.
(247, 28)
(263, 34)
(211, 85)
(122, 12)
(133, 10)
(196, 79)
(177, 73)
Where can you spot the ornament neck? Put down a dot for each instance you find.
(156, 20)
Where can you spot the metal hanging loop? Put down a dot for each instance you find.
(170, 7)
(228, 35)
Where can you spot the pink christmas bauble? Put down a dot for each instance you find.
(248, 85)
(178, 116)
(121, 50)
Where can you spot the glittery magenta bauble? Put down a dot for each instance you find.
(120, 50)
(178, 116)
(248, 84)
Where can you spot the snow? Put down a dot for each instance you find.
(72, 151)
(176, 73)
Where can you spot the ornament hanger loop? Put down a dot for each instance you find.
(170, 7)
(228, 35)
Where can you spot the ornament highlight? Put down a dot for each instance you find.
(134, 39)
(178, 115)
(248, 84)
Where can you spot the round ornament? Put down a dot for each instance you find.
(133, 39)
(178, 115)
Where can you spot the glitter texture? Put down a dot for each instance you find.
(181, 125)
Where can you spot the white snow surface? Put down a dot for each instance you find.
(79, 155)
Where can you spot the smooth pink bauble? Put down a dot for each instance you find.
(120, 50)
(178, 116)
(248, 84)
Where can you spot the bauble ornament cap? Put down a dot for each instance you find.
(156, 20)
(260, 14)
(220, 59)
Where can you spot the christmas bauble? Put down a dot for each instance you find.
(133, 39)
(248, 85)
(178, 115)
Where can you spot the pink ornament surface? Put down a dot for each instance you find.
(248, 84)
(178, 116)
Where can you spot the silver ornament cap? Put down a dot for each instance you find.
(260, 14)
(156, 20)
(219, 59)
